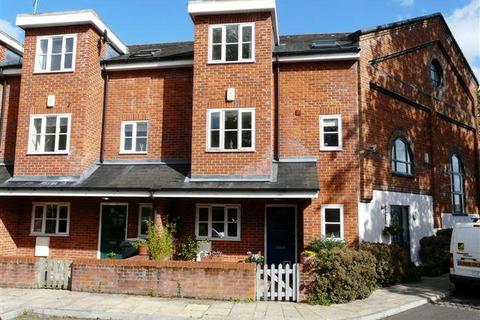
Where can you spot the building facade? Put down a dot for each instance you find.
(247, 139)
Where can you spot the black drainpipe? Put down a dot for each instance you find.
(4, 95)
(277, 114)
(104, 113)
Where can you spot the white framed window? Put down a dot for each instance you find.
(331, 133)
(49, 134)
(134, 137)
(217, 222)
(332, 218)
(50, 219)
(229, 43)
(145, 213)
(55, 53)
(231, 130)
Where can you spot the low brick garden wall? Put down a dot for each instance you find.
(18, 272)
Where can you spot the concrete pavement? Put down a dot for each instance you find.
(382, 303)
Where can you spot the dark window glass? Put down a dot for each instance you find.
(457, 190)
(332, 215)
(401, 159)
(436, 73)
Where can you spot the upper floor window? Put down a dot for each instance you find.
(134, 137)
(331, 132)
(56, 53)
(50, 219)
(218, 222)
(401, 157)
(456, 169)
(232, 43)
(231, 130)
(50, 133)
(436, 73)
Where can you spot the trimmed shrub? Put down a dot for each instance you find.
(325, 244)
(434, 252)
(340, 275)
(391, 262)
(160, 245)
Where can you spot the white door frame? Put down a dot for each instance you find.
(294, 206)
(100, 222)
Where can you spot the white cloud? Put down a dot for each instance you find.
(465, 25)
(10, 29)
(407, 3)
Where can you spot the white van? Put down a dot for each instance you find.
(465, 255)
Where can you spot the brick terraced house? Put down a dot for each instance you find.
(251, 140)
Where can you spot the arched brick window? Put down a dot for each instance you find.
(401, 157)
(458, 196)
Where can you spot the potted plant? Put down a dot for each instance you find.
(141, 246)
(393, 230)
(255, 258)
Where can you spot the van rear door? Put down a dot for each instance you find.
(466, 250)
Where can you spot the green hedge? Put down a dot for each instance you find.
(391, 262)
(434, 252)
(340, 275)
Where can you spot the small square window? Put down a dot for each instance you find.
(134, 137)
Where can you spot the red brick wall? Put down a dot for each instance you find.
(166, 279)
(164, 98)
(10, 118)
(254, 89)
(18, 272)
(9, 218)
(79, 93)
(3, 53)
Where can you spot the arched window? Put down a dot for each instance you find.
(436, 73)
(456, 169)
(401, 157)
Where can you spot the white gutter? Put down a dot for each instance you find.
(79, 193)
(340, 56)
(12, 72)
(11, 43)
(149, 65)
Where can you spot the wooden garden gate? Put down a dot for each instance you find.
(54, 274)
(280, 283)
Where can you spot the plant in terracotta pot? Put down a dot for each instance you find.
(392, 230)
(141, 246)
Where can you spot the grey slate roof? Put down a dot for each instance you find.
(301, 176)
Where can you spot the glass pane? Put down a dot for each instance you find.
(63, 214)
(231, 140)
(215, 120)
(247, 51)
(246, 120)
(51, 124)
(42, 62)
(331, 140)
(217, 35)
(215, 139)
(43, 46)
(56, 60)
(401, 167)
(141, 145)
(128, 144)
(232, 214)
(246, 139)
(232, 230)
(38, 212)
(51, 211)
(50, 143)
(203, 229)
(57, 44)
(36, 142)
(330, 125)
(247, 34)
(332, 215)
(69, 45)
(218, 214)
(128, 130)
(142, 129)
(456, 183)
(67, 64)
(232, 33)
(218, 230)
(232, 52)
(37, 226)
(63, 125)
(62, 142)
(217, 52)
(203, 214)
(332, 231)
(37, 125)
(231, 119)
(457, 203)
(62, 226)
(455, 164)
(50, 226)
(400, 150)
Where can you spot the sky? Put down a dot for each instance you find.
(150, 21)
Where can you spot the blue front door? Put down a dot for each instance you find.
(281, 235)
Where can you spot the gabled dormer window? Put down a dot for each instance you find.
(231, 43)
(55, 53)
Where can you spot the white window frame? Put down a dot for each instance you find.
(134, 137)
(323, 147)
(224, 43)
(140, 207)
(31, 148)
(209, 207)
(49, 54)
(341, 223)
(44, 219)
(221, 147)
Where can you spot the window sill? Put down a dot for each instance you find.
(216, 239)
(54, 71)
(403, 175)
(332, 149)
(230, 151)
(48, 235)
(48, 153)
(229, 62)
(133, 153)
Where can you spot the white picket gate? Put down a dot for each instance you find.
(280, 283)
(54, 274)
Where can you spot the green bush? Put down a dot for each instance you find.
(412, 274)
(434, 252)
(188, 250)
(340, 275)
(325, 244)
(391, 262)
(160, 245)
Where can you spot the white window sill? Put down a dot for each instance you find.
(331, 149)
(230, 150)
(132, 152)
(230, 62)
(216, 239)
(48, 235)
(48, 153)
(53, 71)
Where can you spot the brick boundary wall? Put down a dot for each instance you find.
(18, 272)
